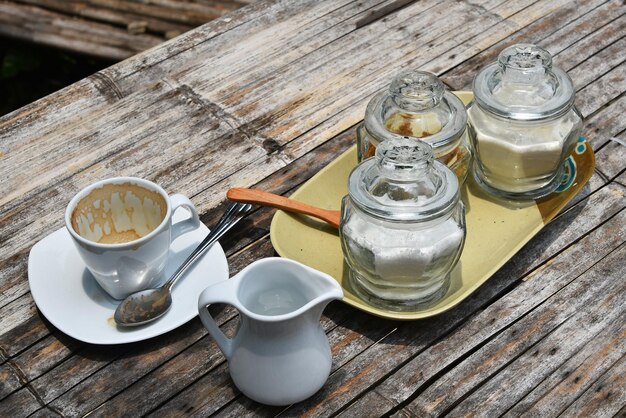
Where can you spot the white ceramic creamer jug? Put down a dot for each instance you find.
(280, 354)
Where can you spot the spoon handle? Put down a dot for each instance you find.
(234, 213)
(262, 198)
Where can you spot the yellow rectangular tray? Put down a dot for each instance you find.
(495, 230)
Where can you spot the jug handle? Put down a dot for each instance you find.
(223, 292)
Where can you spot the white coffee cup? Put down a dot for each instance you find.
(128, 267)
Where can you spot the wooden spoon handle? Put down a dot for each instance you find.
(258, 197)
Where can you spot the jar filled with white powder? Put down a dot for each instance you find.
(523, 123)
(417, 105)
(402, 226)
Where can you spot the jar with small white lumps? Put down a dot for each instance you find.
(417, 105)
(402, 226)
(523, 124)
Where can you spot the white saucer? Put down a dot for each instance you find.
(68, 295)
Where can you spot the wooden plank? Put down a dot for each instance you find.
(552, 32)
(191, 12)
(56, 142)
(55, 29)
(45, 355)
(98, 365)
(200, 358)
(588, 30)
(217, 391)
(336, 76)
(602, 91)
(599, 32)
(105, 28)
(19, 404)
(52, 112)
(575, 375)
(15, 317)
(487, 45)
(494, 378)
(605, 397)
(606, 123)
(128, 125)
(38, 359)
(503, 314)
(373, 404)
(14, 281)
(214, 39)
(80, 99)
(622, 179)
(599, 64)
(10, 380)
(45, 413)
(611, 159)
(296, 43)
(410, 338)
(347, 339)
(98, 13)
(572, 224)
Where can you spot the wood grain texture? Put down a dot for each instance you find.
(265, 97)
(415, 377)
(107, 29)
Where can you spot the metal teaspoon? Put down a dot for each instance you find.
(147, 305)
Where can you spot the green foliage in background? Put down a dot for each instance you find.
(29, 72)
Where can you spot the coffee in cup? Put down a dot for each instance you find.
(118, 212)
(122, 228)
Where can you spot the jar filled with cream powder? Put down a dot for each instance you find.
(523, 123)
(402, 226)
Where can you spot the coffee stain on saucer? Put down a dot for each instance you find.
(111, 321)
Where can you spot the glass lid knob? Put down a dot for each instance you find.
(416, 91)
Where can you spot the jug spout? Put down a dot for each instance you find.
(334, 293)
(327, 288)
(321, 287)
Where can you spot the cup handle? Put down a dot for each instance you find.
(190, 224)
(223, 292)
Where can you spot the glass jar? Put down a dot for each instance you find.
(418, 106)
(523, 123)
(402, 226)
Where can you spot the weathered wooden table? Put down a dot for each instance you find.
(266, 96)
(109, 29)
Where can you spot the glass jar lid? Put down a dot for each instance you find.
(403, 182)
(524, 85)
(417, 105)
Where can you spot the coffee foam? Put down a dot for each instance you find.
(118, 213)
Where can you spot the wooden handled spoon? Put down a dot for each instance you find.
(258, 197)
